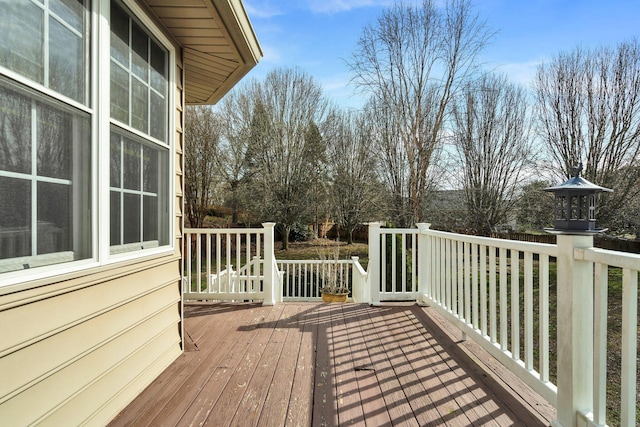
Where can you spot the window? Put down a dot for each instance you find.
(46, 42)
(139, 205)
(138, 77)
(138, 200)
(51, 138)
(45, 143)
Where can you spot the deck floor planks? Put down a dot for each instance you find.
(429, 362)
(253, 402)
(398, 407)
(221, 349)
(373, 405)
(219, 399)
(164, 389)
(519, 404)
(292, 363)
(274, 410)
(463, 390)
(417, 392)
(347, 392)
(300, 409)
(325, 406)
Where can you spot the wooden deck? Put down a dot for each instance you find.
(303, 364)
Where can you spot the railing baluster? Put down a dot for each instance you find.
(467, 283)
(493, 318)
(483, 289)
(543, 314)
(601, 284)
(414, 262)
(238, 241)
(199, 262)
(394, 263)
(218, 263)
(447, 273)
(461, 275)
(454, 277)
(228, 264)
(434, 270)
(629, 346)
(188, 243)
(515, 304)
(404, 263)
(383, 262)
(503, 300)
(442, 273)
(208, 261)
(303, 280)
(528, 310)
(249, 281)
(474, 286)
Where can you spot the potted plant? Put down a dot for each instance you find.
(334, 283)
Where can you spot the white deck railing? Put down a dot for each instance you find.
(229, 264)
(611, 263)
(498, 292)
(477, 284)
(302, 280)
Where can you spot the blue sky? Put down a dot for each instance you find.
(319, 35)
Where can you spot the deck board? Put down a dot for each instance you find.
(281, 382)
(308, 364)
(300, 410)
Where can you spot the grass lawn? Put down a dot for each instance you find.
(313, 248)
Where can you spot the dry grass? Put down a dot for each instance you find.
(312, 249)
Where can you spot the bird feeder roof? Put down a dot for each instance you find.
(578, 183)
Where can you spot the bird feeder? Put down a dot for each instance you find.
(575, 206)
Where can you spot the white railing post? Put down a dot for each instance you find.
(424, 255)
(358, 287)
(271, 288)
(373, 269)
(575, 331)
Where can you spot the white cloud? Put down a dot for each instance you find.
(262, 9)
(335, 6)
(520, 72)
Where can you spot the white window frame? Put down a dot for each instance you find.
(98, 108)
(120, 253)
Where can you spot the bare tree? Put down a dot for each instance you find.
(234, 163)
(411, 62)
(392, 163)
(589, 111)
(288, 104)
(491, 134)
(202, 136)
(354, 190)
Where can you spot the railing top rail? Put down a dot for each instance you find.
(539, 248)
(609, 257)
(356, 262)
(314, 261)
(223, 230)
(399, 231)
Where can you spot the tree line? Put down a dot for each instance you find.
(437, 140)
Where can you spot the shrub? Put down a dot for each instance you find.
(300, 233)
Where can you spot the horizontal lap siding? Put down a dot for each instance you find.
(91, 349)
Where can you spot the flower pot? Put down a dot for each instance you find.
(334, 297)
